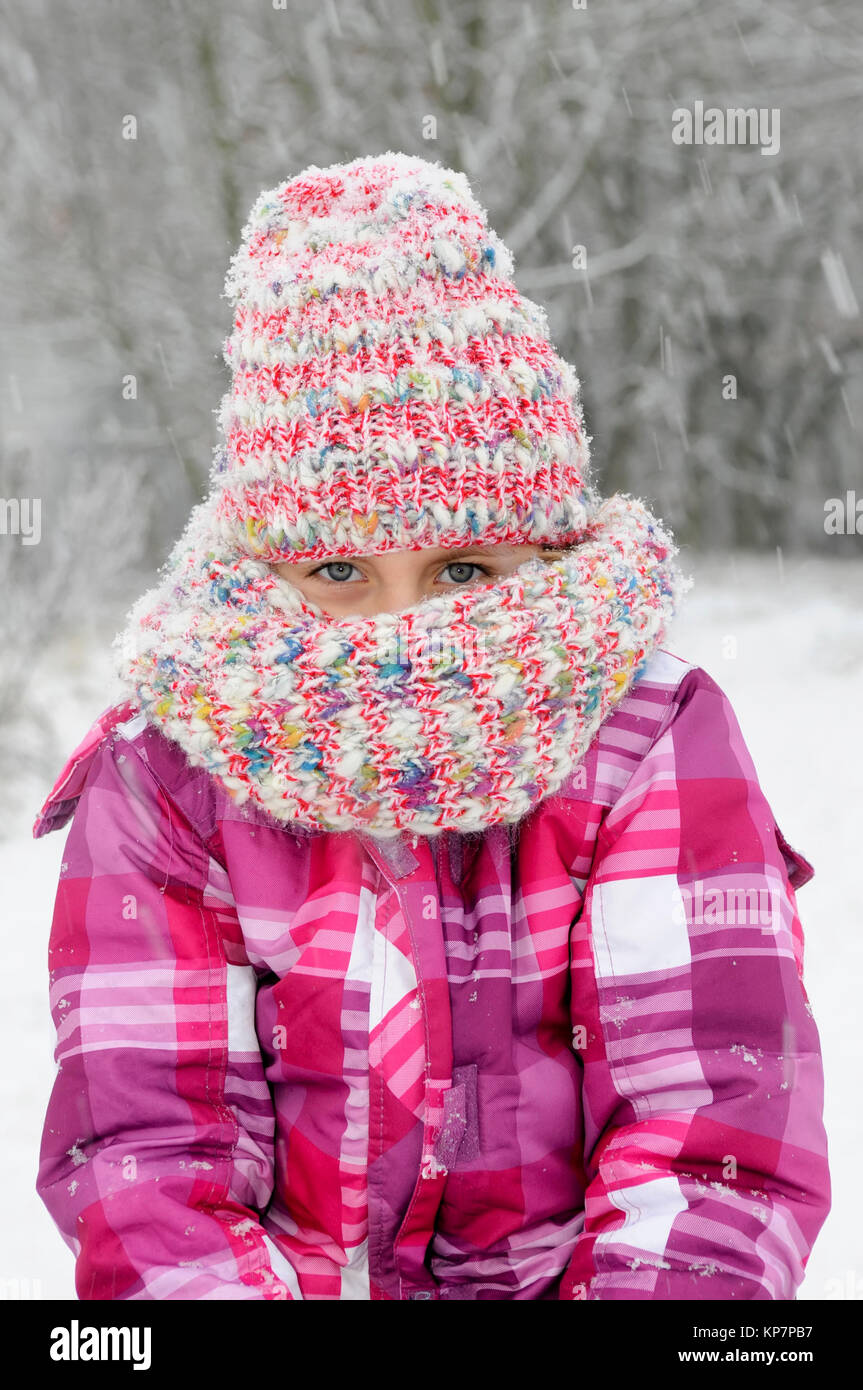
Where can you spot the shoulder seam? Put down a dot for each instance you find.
(131, 739)
(674, 703)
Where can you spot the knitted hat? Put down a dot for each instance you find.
(392, 390)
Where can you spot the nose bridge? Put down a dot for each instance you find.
(402, 592)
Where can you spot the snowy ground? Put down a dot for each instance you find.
(784, 639)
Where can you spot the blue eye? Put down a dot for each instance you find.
(335, 565)
(342, 571)
(464, 565)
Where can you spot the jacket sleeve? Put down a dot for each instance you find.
(156, 1159)
(705, 1153)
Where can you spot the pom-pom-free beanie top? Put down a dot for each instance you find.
(391, 389)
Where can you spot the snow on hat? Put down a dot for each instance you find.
(391, 388)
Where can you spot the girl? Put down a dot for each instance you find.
(423, 931)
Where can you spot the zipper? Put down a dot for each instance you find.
(427, 946)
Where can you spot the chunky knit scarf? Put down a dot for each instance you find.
(460, 713)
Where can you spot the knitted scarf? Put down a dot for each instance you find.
(459, 713)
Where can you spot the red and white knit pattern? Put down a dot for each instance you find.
(391, 388)
(461, 712)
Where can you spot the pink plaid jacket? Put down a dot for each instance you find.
(571, 1061)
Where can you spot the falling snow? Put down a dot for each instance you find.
(701, 262)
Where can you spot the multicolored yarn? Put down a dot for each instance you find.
(458, 713)
(391, 387)
(392, 390)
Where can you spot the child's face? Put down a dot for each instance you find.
(364, 585)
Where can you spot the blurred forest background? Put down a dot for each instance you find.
(701, 261)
